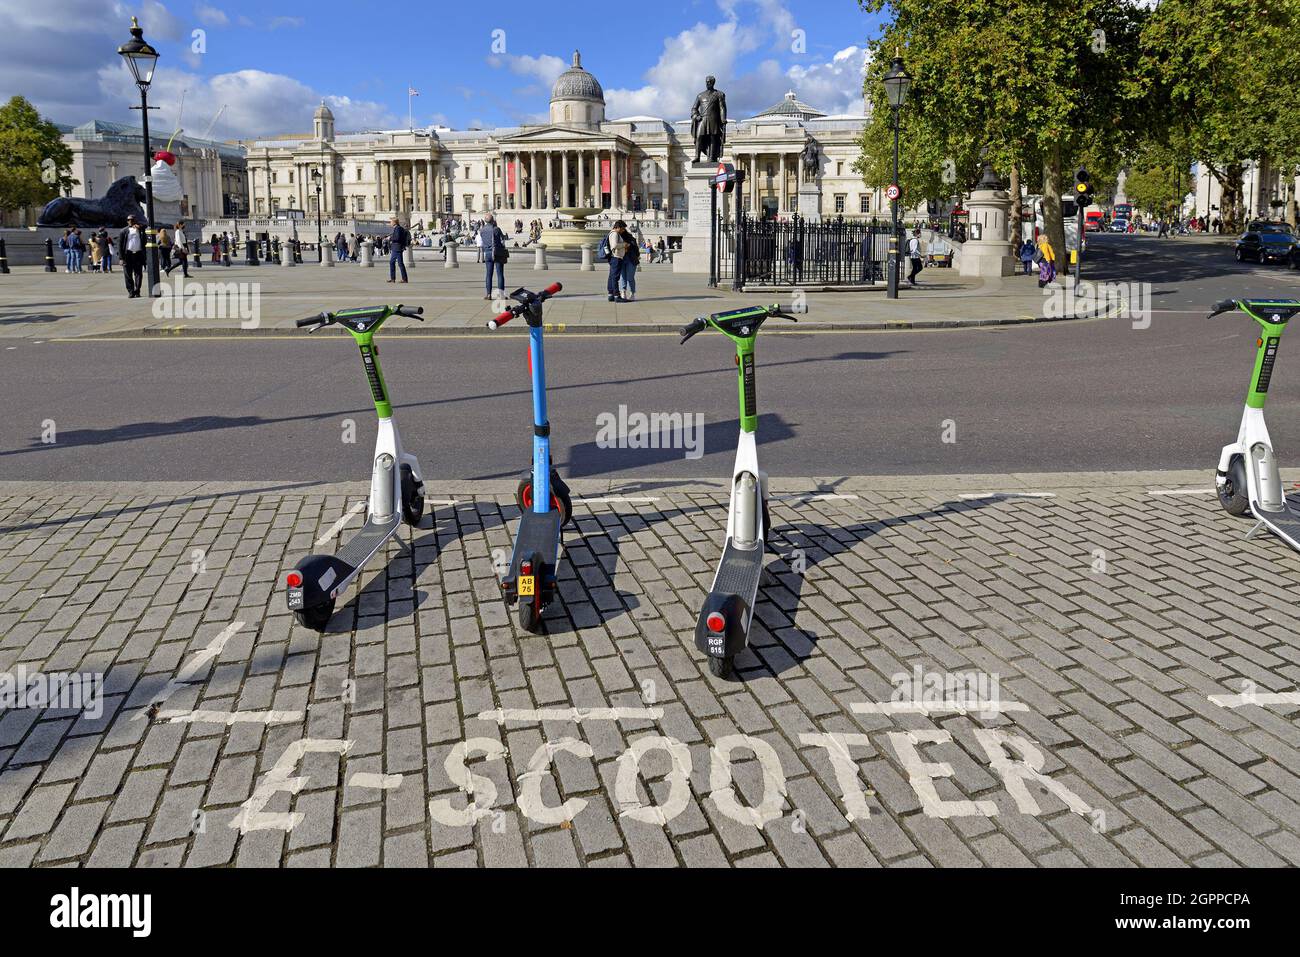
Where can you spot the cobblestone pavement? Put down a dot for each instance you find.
(1134, 660)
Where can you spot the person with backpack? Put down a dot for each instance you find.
(612, 249)
(397, 242)
(1046, 261)
(491, 242)
(1027, 255)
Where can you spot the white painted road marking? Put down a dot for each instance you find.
(577, 715)
(1182, 491)
(229, 718)
(619, 500)
(339, 525)
(192, 667)
(369, 779)
(1255, 697)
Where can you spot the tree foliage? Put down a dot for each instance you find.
(26, 142)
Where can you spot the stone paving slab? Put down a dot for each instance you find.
(949, 671)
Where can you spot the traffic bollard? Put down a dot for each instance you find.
(4, 259)
(49, 256)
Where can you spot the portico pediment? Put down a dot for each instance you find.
(557, 135)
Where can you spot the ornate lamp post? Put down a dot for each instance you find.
(897, 83)
(317, 177)
(142, 58)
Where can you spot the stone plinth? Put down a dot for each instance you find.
(810, 202)
(993, 254)
(694, 254)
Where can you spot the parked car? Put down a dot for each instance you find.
(1265, 242)
(1119, 225)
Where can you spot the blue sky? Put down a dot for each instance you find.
(475, 64)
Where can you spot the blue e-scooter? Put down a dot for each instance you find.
(542, 496)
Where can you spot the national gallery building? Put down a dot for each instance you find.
(580, 159)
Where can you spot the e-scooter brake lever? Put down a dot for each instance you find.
(1222, 306)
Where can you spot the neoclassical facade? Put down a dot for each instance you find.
(579, 159)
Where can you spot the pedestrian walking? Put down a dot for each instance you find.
(130, 245)
(492, 245)
(65, 247)
(106, 250)
(914, 254)
(216, 249)
(1046, 261)
(180, 250)
(165, 250)
(1027, 255)
(397, 243)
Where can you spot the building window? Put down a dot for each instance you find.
(840, 200)
(290, 176)
(469, 202)
(839, 169)
(261, 207)
(864, 204)
(275, 204)
(311, 203)
(446, 204)
(274, 176)
(361, 203)
(358, 174)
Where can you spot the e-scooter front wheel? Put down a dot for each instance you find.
(1234, 493)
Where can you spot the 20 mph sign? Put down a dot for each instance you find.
(893, 192)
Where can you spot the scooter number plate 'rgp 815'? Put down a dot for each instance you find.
(527, 586)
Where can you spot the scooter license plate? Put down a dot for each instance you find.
(295, 599)
(527, 586)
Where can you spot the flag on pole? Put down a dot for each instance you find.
(412, 91)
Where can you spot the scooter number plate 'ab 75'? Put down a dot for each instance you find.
(1266, 367)
(527, 586)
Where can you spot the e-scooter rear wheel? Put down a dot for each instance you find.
(560, 498)
(412, 498)
(317, 617)
(1234, 494)
(721, 667)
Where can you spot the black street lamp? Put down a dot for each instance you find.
(317, 177)
(897, 83)
(142, 59)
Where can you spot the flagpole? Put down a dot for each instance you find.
(410, 122)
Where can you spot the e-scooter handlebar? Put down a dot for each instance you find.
(781, 312)
(694, 327)
(553, 289)
(1224, 305)
(320, 319)
(416, 313)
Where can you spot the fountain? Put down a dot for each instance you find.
(577, 235)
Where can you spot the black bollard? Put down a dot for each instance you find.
(4, 259)
(225, 250)
(297, 252)
(275, 251)
(250, 252)
(49, 256)
(198, 254)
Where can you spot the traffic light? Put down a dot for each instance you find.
(1082, 189)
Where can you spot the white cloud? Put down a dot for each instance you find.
(211, 16)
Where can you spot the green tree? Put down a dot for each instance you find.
(1019, 82)
(26, 142)
(1223, 74)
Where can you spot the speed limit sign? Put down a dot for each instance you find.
(893, 192)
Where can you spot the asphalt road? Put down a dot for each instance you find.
(1051, 397)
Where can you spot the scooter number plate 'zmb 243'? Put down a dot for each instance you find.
(527, 586)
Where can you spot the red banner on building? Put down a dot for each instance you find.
(510, 177)
(604, 177)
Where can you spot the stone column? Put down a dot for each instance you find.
(550, 180)
(533, 181)
(753, 186)
(784, 192)
(492, 181)
(564, 199)
(582, 178)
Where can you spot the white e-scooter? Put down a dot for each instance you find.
(1248, 479)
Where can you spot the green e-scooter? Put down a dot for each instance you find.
(722, 629)
(1248, 479)
(396, 483)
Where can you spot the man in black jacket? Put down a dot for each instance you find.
(398, 240)
(131, 247)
